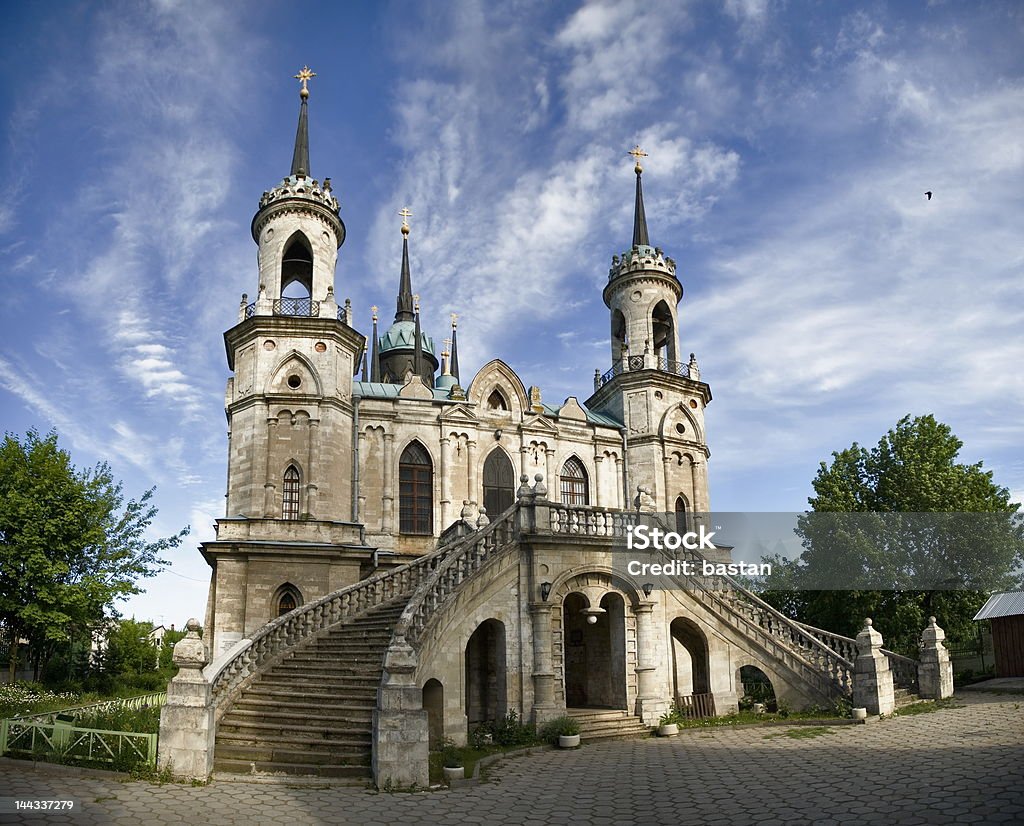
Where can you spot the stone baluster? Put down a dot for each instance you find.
(649, 705)
(934, 669)
(872, 678)
(187, 728)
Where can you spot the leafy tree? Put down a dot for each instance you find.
(70, 544)
(877, 558)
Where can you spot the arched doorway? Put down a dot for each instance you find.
(755, 687)
(691, 683)
(594, 652)
(485, 673)
(499, 482)
(433, 704)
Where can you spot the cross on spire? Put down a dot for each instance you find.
(637, 154)
(305, 75)
(639, 216)
(406, 215)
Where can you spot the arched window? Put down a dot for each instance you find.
(496, 401)
(415, 490)
(680, 515)
(574, 483)
(297, 268)
(286, 598)
(663, 325)
(499, 482)
(290, 495)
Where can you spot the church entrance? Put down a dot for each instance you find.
(485, 673)
(499, 482)
(595, 652)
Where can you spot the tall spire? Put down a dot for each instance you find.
(300, 157)
(417, 359)
(640, 237)
(375, 358)
(454, 369)
(404, 311)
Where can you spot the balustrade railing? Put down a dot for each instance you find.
(590, 521)
(31, 737)
(466, 556)
(249, 657)
(648, 362)
(154, 698)
(296, 307)
(904, 669)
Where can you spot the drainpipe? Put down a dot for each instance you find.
(355, 456)
(625, 464)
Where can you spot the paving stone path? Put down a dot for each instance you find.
(957, 765)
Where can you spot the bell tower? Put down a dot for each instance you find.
(657, 395)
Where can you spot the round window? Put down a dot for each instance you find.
(294, 381)
(680, 429)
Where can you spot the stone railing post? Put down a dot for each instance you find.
(649, 706)
(401, 738)
(187, 729)
(542, 508)
(872, 679)
(934, 668)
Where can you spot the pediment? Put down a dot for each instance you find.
(457, 413)
(571, 409)
(415, 388)
(534, 422)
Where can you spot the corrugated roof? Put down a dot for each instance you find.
(381, 390)
(1005, 604)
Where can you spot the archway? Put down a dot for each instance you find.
(594, 652)
(433, 704)
(755, 687)
(663, 325)
(485, 673)
(499, 482)
(691, 681)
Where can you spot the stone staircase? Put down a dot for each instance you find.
(312, 713)
(596, 724)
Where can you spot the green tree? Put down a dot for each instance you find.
(71, 545)
(881, 561)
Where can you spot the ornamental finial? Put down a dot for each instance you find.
(406, 215)
(305, 75)
(637, 154)
(455, 320)
(373, 310)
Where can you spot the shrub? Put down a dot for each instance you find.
(450, 756)
(510, 732)
(559, 727)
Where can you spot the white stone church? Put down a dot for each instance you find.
(408, 551)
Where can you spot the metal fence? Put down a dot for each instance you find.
(28, 737)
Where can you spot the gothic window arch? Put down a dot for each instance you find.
(497, 401)
(499, 482)
(415, 490)
(663, 326)
(681, 515)
(290, 493)
(573, 480)
(297, 267)
(287, 598)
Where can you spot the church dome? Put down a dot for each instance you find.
(402, 336)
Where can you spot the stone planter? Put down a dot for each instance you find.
(454, 772)
(860, 714)
(668, 730)
(568, 741)
(758, 708)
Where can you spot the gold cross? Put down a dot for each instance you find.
(416, 302)
(637, 153)
(406, 215)
(373, 310)
(455, 320)
(304, 75)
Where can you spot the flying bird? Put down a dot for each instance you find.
(928, 195)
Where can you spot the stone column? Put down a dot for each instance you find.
(446, 493)
(388, 494)
(312, 467)
(598, 462)
(549, 462)
(524, 459)
(700, 490)
(872, 679)
(670, 504)
(649, 706)
(934, 668)
(360, 499)
(471, 470)
(401, 737)
(269, 482)
(619, 463)
(187, 728)
(544, 707)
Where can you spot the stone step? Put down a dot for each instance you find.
(242, 766)
(283, 692)
(319, 660)
(267, 737)
(610, 724)
(303, 705)
(333, 674)
(334, 754)
(297, 718)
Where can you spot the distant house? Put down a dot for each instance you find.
(1006, 612)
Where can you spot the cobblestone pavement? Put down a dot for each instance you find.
(956, 765)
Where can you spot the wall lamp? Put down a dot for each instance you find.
(648, 587)
(545, 590)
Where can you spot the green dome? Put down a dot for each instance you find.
(402, 336)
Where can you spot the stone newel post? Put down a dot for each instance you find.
(934, 669)
(872, 679)
(187, 729)
(401, 736)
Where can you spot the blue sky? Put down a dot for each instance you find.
(790, 146)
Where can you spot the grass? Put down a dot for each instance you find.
(802, 733)
(744, 718)
(470, 756)
(925, 707)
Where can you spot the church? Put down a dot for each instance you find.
(408, 551)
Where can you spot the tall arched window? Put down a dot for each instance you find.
(574, 483)
(290, 496)
(499, 482)
(415, 490)
(681, 515)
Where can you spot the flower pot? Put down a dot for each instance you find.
(454, 772)
(860, 714)
(758, 708)
(668, 729)
(568, 741)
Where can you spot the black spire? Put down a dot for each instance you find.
(300, 157)
(639, 218)
(404, 311)
(454, 368)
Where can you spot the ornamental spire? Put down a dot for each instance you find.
(454, 359)
(300, 157)
(405, 310)
(640, 237)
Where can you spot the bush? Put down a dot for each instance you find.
(560, 727)
(510, 732)
(450, 756)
